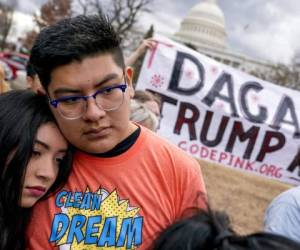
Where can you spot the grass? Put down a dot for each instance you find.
(243, 196)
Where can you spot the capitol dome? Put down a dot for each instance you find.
(204, 25)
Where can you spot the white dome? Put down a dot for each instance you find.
(204, 24)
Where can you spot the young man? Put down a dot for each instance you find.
(127, 184)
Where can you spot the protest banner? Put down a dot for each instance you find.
(217, 113)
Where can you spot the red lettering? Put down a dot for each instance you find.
(213, 154)
(194, 148)
(182, 144)
(249, 165)
(239, 162)
(271, 170)
(263, 168)
(278, 173)
(231, 160)
(222, 156)
(204, 152)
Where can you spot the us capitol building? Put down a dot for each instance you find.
(203, 29)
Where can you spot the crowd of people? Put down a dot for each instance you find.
(78, 146)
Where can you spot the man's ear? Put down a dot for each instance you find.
(29, 82)
(41, 91)
(129, 77)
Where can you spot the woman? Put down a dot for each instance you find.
(34, 161)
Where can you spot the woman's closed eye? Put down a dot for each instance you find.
(36, 153)
(59, 159)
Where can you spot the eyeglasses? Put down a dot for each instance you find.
(73, 107)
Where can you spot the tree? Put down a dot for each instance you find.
(123, 13)
(281, 74)
(286, 76)
(53, 11)
(29, 39)
(139, 62)
(191, 46)
(50, 13)
(6, 17)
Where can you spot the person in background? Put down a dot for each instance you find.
(283, 214)
(20, 82)
(150, 101)
(34, 161)
(142, 115)
(33, 81)
(4, 86)
(211, 230)
(127, 183)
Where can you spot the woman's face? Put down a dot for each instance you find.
(48, 150)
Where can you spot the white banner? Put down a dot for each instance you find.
(217, 113)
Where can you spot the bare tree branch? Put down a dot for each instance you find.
(123, 13)
(6, 17)
(83, 6)
(281, 74)
(29, 39)
(53, 11)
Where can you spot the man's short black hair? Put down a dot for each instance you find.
(73, 39)
(30, 70)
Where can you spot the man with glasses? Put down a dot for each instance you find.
(127, 184)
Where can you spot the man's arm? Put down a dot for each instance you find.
(192, 189)
(145, 44)
(283, 218)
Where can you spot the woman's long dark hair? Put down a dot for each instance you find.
(22, 112)
(211, 230)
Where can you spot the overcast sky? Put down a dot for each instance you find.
(267, 29)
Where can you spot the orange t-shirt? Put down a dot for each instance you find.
(122, 202)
